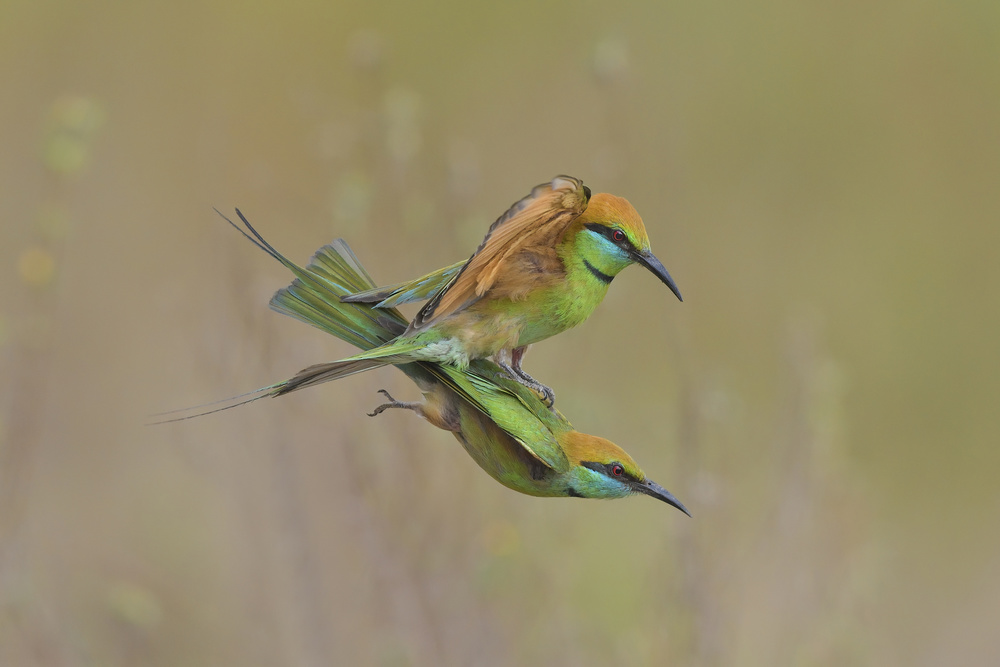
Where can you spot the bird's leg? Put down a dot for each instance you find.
(548, 396)
(514, 371)
(393, 403)
(517, 356)
(443, 415)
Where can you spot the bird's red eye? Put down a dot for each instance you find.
(618, 236)
(617, 470)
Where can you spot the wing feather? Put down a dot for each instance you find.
(541, 216)
(420, 289)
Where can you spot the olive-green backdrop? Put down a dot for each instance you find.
(822, 180)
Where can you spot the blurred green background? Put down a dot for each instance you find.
(820, 178)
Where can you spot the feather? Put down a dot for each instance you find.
(411, 291)
(538, 220)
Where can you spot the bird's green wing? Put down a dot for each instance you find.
(410, 291)
(513, 407)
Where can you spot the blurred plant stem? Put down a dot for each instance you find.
(34, 626)
(302, 595)
(814, 510)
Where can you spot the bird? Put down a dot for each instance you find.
(503, 425)
(543, 267)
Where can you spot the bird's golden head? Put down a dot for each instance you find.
(618, 216)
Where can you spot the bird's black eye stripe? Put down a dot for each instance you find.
(613, 234)
(609, 469)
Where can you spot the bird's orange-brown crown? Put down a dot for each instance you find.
(610, 210)
(580, 447)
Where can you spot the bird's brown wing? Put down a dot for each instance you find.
(536, 220)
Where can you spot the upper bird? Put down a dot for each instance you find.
(543, 268)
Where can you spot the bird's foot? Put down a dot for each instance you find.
(516, 357)
(547, 395)
(393, 403)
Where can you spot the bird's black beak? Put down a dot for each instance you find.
(651, 488)
(649, 260)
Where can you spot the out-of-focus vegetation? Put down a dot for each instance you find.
(821, 180)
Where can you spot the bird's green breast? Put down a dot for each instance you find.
(491, 325)
(587, 270)
(555, 309)
(560, 300)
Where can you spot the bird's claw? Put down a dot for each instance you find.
(515, 373)
(548, 396)
(393, 403)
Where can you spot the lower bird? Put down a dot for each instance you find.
(503, 425)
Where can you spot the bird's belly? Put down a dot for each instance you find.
(483, 334)
(490, 326)
(445, 351)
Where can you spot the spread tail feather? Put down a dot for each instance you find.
(224, 404)
(314, 297)
(327, 372)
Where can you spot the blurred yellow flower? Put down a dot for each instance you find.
(36, 266)
(136, 605)
(73, 125)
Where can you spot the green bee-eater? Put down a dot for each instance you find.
(543, 268)
(504, 426)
